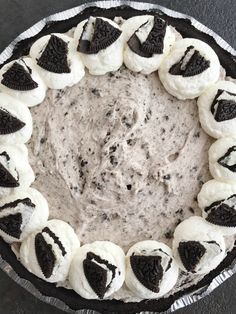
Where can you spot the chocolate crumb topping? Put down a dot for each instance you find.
(190, 253)
(104, 35)
(17, 78)
(9, 123)
(45, 255)
(11, 225)
(192, 66)
(222, 213)
(54, 56)
(97, 275)
(148, 270)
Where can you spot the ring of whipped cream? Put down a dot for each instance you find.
(188, 68)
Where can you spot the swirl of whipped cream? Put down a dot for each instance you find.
(15, 170)
(218, 203)
(48, 252)
(102, 58)
(97, 270)
(190, 68)
(16, 121)
(21, 213)
(222, 159)
(58, 61)
(198, 247)
(20, 79)
(217, 109)
(139, 29)
(151, 271)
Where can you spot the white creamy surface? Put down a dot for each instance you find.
(156, 173)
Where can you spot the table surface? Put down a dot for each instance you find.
(17, 16)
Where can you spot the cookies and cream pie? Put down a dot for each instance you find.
(119, 154)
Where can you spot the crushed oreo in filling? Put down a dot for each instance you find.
(9, 124)
(104, 35)
(190, 253)
(6, 178)
(148, 270)
(222, 213)
(11, 225)
(227, 160)
(191, 64)
(96, 271)
(154, 43)
(18, 78)
(55, 239)
(54, 56)
(45, 255)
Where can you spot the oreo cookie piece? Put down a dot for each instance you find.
(11, 225)
(7, 180)
(98, 34)
(148, 270)
(154, 43)
(9, 124)
(225, 160)
(18, 77)
(45, 255)
(96, 271)
(55, 239)
(224, 109)
(54, 57)
(222, 213)
(190, 253)
(191, 64)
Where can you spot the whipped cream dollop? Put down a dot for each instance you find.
(15, 170)
(21, 213)
(217, 109)
(58, 61)
(20, 79)
(48, 252)
(97, 270)
(16, 121)
(191, 67)
(218, 203)
(198, 247)
(100, 43)
(148, 39)
(151, 271)
(222, 159)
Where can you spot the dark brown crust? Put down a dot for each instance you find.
(69, 297)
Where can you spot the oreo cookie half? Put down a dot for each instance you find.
(222, 213)
(191, 64)
(148, 270)
(154, 43)
(9, 124)
(225, 160)
(54, 56)
(223, 109)
(6, 178)
(45, 255)
(11, 225)
(190, 253)
(96, 272)
(18, 78)
(104, 35)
